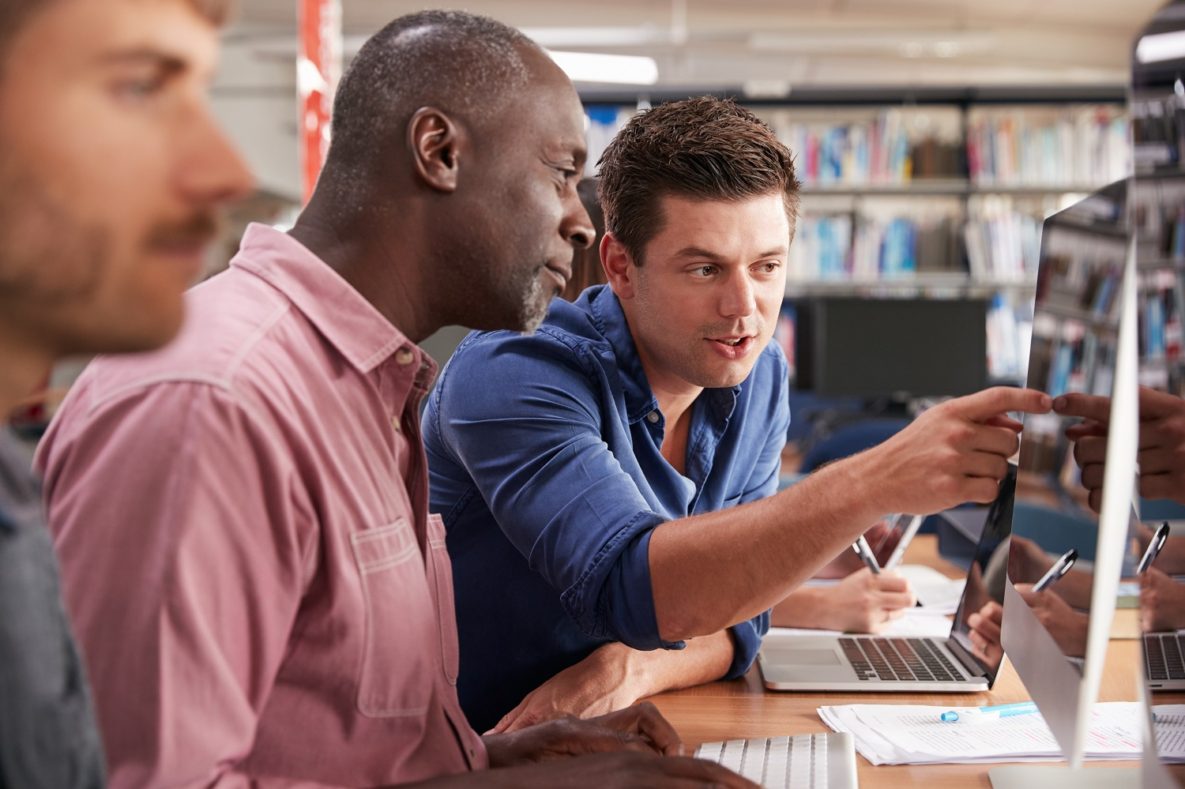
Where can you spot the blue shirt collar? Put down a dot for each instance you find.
(609, 318)
(610, 321)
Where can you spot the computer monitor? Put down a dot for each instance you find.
(884, 348)
(1065, 560)
(1157, 109)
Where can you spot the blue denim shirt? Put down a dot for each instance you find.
(48, 735)
(544, 456)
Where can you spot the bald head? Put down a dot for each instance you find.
(465, 65)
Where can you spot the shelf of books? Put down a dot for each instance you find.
(1158, 216)
(935, 199)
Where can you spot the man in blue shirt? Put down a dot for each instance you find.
(608, 482)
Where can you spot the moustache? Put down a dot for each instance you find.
(199, 228)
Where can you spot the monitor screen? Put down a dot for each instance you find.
(904, 347)
(1157, 108)
(984, 589)
(1065, 558)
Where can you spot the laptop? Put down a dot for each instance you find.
(1164, 660)
(879, 663)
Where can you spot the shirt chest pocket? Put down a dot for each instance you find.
(399, 653)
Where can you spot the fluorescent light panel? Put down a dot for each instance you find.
(1161, 46)
(619, 69)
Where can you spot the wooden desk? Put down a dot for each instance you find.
(743, 708)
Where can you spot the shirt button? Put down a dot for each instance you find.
(405, 356)
(652, 417)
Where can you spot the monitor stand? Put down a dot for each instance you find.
(1060, 776)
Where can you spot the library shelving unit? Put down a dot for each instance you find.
(1158, 217)
(935, 192)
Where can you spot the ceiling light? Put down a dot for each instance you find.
(597, 36)
(1161, 46)
(620, 69)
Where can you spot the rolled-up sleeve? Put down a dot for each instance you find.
(530, 438)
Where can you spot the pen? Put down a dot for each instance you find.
(860, 546)
(991, 713)
(1162, 534)
(1060, 568)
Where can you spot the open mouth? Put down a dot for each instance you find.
(732, 347)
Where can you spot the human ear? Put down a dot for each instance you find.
(618, 265)
(434, 141)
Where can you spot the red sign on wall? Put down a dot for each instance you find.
(318, 66)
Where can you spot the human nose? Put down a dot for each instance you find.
(211, 169)
(738, 298)
(577, 227)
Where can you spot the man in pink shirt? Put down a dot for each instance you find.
(262, 596)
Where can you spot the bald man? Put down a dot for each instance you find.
(242, 518)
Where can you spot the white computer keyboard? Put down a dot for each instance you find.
(826, 760)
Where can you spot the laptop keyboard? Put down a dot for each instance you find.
(1162, 653)
(895, 659)
(805, 761)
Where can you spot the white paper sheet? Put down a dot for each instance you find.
(914, 623)
(914, 734)
(935, 591)
(1169, 725)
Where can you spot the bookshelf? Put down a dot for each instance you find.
(935, 193)
(1158, 218)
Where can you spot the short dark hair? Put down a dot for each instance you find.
(701, 148)
(455, 61)
(14, 13)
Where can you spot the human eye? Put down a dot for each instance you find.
(137, 90)
(138, 77)
(565, 177)
(139, 85)
(568, 175)
(703, 271)
(768, 267)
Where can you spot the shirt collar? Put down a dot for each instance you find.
(347, 320)
(610, 320)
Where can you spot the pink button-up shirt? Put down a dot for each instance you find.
(241, 518)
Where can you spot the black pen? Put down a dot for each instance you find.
(1162, 534)
(1060, 568)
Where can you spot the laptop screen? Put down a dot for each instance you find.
(986, 575)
